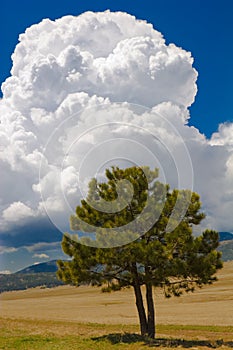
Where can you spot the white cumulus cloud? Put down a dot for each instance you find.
(16, 212)
(41, 256)
(91, 91)
(5, 272)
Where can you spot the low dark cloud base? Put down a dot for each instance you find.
(42, 231)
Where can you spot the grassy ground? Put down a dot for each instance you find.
(84, 318)
(33, 335)
(28, 334)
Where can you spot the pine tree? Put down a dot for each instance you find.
(158, 250)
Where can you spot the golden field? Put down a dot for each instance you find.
(211, 305)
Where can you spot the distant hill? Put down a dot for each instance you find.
(225, 236)
(48, 266)
(18, 281)
(39, 275)
(226, 247)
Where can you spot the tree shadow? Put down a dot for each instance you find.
(116, 338)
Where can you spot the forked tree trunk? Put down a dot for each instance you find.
(150, 311)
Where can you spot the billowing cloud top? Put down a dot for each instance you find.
(108, 54)
(72, 75)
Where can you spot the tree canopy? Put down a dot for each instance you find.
(141, 234)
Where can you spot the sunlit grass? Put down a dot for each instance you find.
(33, 335)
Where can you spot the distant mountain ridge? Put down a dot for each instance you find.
(22, 281)
(226, 245)
(225, 236)
(48, 266)
(39, 275)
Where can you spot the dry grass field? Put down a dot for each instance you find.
(68, 314)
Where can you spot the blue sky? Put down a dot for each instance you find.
(203, 27)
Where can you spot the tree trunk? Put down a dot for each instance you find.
(141, 309)
(150, 311)
(139, 302)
